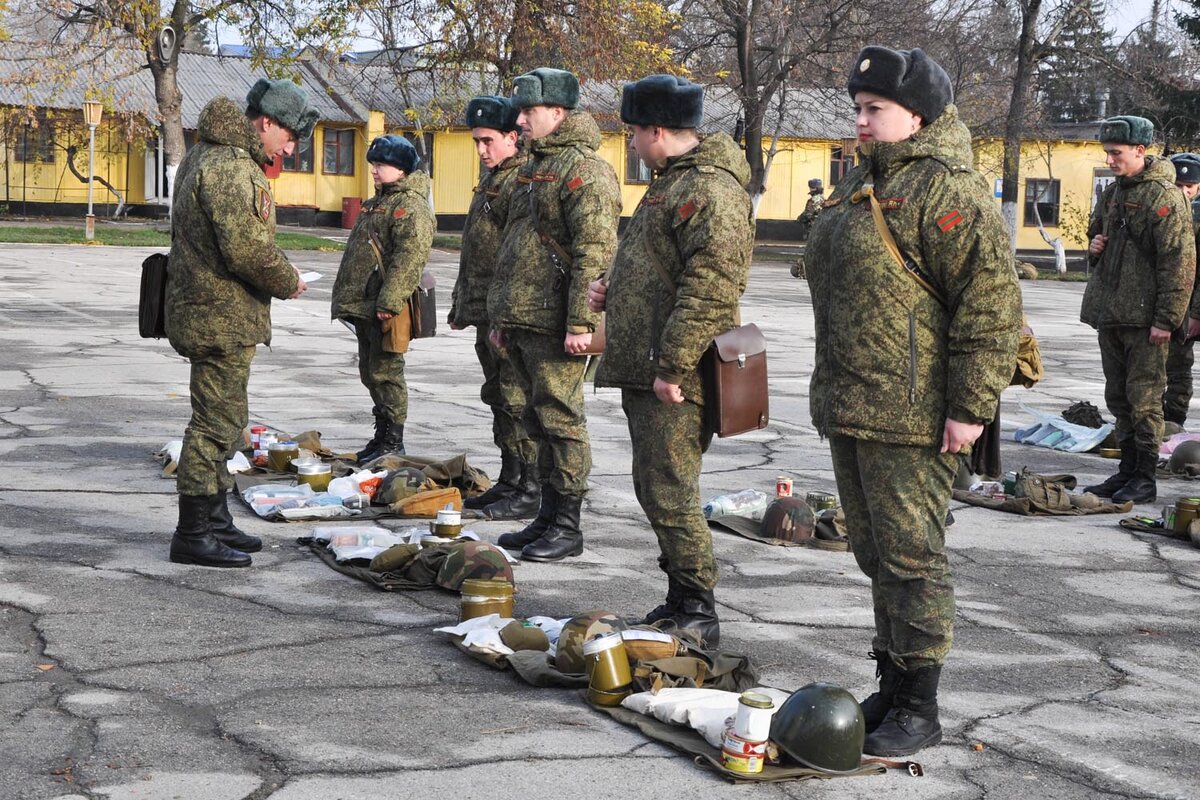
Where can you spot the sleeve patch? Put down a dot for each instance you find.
(264, 204)
(575, 183)
(949, 220)
(687, 209)
(400, 213)
(1164, 211)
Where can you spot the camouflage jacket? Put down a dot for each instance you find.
(224, 264)
(892, 362)
(481, 241)
(399, 222)
(694, 223)
(1144, 276)
(577, 202)
(811, 209)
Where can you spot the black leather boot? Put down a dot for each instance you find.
(697, 610)
(506, 484)
(1125, 471)
(371, 450)
(877, 705)
(524, 503)
(194, 543)
(393, 440)
(220, 523)
(912, 723)
(563, 538)
(1142, 487)
(669, 606)
(534, 530)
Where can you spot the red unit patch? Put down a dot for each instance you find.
(400, 213)
(1164, 211)
(575, 183)
(687, 209)
(949, 220)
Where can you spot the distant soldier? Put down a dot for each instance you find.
(679, 273)
(380, 269)
(560, 235)
(1180, 356)
(816, 201)
(1143, 251)
(493, 124)
(225, 268)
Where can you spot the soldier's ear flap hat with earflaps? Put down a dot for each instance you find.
(909, 77)
(816, 185)
(546, 86)
(1127, 130)
(284, 102)
(1187, 167)
(663, 100)
(492, 112)
(394, 150)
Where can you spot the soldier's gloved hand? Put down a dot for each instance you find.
(1193, 328)
(668, 393)
(576, 343)
(301, 287)
(1160, 336)
(597, 295)
(1097, 244)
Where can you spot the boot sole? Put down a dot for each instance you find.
(546, 559)
(178, 559)
(903, 751)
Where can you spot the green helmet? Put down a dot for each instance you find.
(1185, 453)
(568, 657)
(822, 727)
(472, 560)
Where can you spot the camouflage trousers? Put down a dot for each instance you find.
(1178, 396)
(381, 372)
(220, 413)
(502, 393)
(668, 445)
(895, 498)
(553, 386)
(1135, 376)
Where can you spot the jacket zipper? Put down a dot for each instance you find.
(912, 358)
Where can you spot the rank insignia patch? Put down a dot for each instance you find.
(949, 221)
(575, 183)
(1164, 211)
(400, 213)
(264, 204)
(687, 209)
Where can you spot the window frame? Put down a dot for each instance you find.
(296, 153)
(42, 146)
(1032, 192)
(341, 164)
(636, 171)
(842, 158)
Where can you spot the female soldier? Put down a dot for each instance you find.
(380, 269)
(917, 315)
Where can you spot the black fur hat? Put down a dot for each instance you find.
(1187, 167)
(394, 150)
(663, 100)
(911, 78)
(491, 111)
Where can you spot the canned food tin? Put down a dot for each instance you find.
(315, 475)
(606, 663)
(280, 455)
(753, 720)
(599, 697)
(740, 755)
(820, 501)
(482, 597)
(783, 486)
(256, 432)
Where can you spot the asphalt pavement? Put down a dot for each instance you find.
(125, 676)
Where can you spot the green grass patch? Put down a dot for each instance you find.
(448, 241)
(141, 237)
(1069, 277)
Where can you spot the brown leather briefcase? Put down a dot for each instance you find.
(734, 369)
(423, 308)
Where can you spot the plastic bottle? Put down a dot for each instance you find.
(746, 503)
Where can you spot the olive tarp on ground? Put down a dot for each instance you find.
(430, 568)
(1044, 495)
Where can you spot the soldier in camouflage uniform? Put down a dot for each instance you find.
(910, 365)
(1180, 354)
(225, 268)
(1144, 255)
(560, 235)
(816, 199)
(493, 124)
(680, 270)
(381, 268)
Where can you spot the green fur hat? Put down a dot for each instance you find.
(546, 86)
(1127, 130)
(284, 102)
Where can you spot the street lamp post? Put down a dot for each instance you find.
(92, 111)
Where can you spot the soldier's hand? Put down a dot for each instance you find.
(454, 326)
(498, 339)
(597, 295)
(383, 315)
(958, 435)
(301, 288)
(1160, 336)
(668, 393)
(1097, 244)
(576, 343)
(1193, 328)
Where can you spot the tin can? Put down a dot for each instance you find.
(256, 432)
(481, 597)
(315, 475)
(599, 697)
(607, 664)
(1186, 509)
(820, 501)
(280, 455)
(265, 438)
(783, 486)
(753, 720)
(740, 755)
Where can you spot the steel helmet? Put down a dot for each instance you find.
(821, 726)
(568, 656)
(1185, 453)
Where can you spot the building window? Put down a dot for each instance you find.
(427, 156)
(1044, 195)
(636, 170)
(34, 144)
(841, 160)
(301, 159)
(339, 152)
